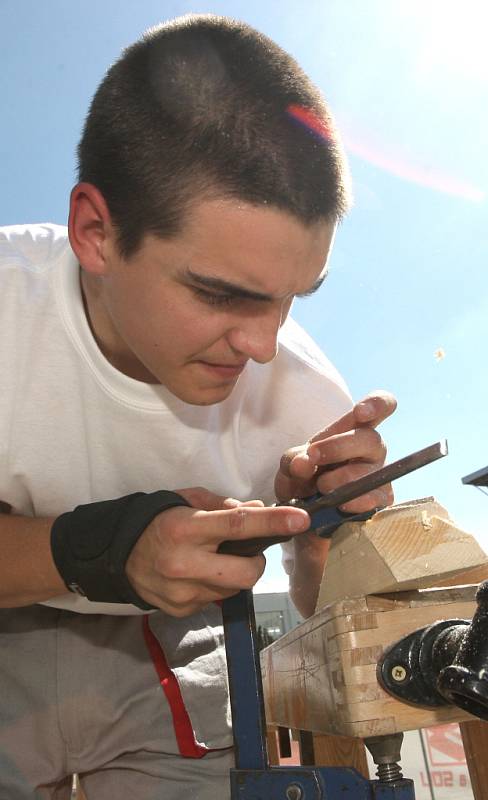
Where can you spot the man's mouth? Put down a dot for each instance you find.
(223, 370)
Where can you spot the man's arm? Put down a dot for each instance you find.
(173, 566)
(27, 571)
(347, 449)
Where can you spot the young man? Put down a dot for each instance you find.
(149, 353)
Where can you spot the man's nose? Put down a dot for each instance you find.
(257, 337)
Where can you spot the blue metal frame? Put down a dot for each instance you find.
(245, 684)
(314, 783)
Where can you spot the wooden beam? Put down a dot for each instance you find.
(410, 546)
(475, 575)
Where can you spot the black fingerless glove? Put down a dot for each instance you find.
(91, 544)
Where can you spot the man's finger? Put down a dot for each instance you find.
(379, 498)
(290, 456)
(247, 522)
(364, 444)
(231, 502)
(288, 487)
(371, 411)
(226, 572)
(201, 498)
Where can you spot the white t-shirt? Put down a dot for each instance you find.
(75, 430)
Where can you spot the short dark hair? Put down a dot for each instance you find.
(207, 106)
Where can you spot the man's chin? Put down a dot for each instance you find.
(203, 395)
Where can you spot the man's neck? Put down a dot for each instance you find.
(103, 331)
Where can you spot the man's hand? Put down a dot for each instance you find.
(347, 449)
(175, 565)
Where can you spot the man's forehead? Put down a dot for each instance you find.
(238, 247)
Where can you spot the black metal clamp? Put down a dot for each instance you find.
(442, 664)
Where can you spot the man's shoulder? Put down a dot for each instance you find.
(299, 352)
(31, 247)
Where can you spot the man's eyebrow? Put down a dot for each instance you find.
(235, 290)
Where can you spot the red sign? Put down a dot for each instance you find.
(445, 745)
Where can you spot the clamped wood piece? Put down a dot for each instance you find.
(322, 675)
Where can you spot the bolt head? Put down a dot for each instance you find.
(294, 792)
(398, 673)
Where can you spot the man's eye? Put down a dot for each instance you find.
(214, 299)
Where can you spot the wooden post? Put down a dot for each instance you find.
(272, 741)
(340, 751)
(475, 741)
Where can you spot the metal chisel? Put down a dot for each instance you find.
(325, 516)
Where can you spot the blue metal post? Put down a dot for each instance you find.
(245, 684)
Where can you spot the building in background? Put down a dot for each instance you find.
(275, 614)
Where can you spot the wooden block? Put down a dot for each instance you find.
(465, 578)
(410, 546)
(321, 676)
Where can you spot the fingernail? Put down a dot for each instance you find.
(296, 523)
(313, 457)
(231, 502)
(366, 408)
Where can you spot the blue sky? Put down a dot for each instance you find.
(406, 304)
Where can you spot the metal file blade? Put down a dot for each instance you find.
(373, 480)
(343, 494)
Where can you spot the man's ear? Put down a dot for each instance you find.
(90, 228)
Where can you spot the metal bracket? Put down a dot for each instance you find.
(406, 670)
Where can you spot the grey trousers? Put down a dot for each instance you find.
(80, 693)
